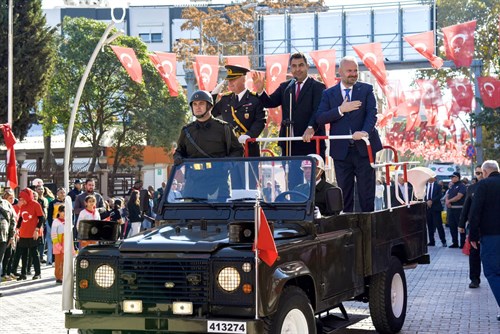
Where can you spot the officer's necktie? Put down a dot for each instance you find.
(298, 91)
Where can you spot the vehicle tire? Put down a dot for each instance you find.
(294, 315)
(388, 298)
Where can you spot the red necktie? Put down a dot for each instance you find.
(298, 91)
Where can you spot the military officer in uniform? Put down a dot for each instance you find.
(206, 137)
(241, 108)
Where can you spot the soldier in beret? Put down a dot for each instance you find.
(241, 108)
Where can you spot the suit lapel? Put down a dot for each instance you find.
(356, 92)
(337, 94)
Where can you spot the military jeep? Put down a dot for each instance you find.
(196, 271)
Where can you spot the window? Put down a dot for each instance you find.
(156, 38)
(146, 38)
(151, 37)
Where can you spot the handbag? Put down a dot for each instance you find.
(466, 248)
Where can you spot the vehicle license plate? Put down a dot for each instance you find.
(227, 327)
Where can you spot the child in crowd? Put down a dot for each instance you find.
(57, 234)
(89, 213)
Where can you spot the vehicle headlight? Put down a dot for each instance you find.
(105, 276)
(229, 279)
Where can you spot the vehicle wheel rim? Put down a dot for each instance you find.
(295, 323)
(397, 295)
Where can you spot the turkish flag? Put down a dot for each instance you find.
(459, 43)
(423, 43)
(165, 64)
(373, 58)
(489, 88)
(9, 141)
(412, 109)
(274, 115)
(208, 71)
(431, 98)
(393, 91)
(129, 61)
(324, 60)
(276, 66)
(463, 95)
(265, 242)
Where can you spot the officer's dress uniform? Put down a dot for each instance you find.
(246, 116)
(211, 136)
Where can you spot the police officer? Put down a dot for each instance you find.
(206, 137)
(241, 108)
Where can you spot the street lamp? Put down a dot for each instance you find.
(140, 164)
(247, 6)
(102, 161)
(21, 158)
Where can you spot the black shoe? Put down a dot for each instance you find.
(453, 246)
(431, 244)
(16, 274)
(37, 276)
(58, 281)
(473, 285)
(29, 272)
(42, 261)
(21, 277)
(444, 244)
(461, 246)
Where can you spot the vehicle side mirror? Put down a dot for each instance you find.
(334, 201)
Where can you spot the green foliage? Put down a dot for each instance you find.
(34, 57)
(113, 110)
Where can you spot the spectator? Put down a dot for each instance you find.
(433, 193)
(52, 213)
(7, 229)
(116, 215)
(7, 272)
(474, 255)
(134, 213)
(454, 201)
(158, 194)
(57, 235)
(30, 223)
(89, 190)
(485, 225)
(77, 190)
(90, 212)
(268, 192)
(379, 196)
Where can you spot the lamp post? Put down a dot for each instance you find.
(247, 6)
(23, 172)
(103, 174)
(140, 164)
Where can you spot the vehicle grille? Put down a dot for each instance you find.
(164, 280)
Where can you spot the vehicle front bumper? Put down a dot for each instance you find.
(128, 322)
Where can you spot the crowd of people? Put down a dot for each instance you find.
(32, 225)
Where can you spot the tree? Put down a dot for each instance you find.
(231, 31)
(112, 108)
(34, 56)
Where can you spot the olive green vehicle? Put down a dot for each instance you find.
(196, 271)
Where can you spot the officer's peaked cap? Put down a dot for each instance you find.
(201, 95)
(234, 72)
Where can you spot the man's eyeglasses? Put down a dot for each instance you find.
(479, 173)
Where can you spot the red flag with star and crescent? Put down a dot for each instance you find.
(461, 90)
(459, 43)
(371, 55)
(412, 109)
(489, 89)
(276, 67)
(431, 98)
(10, 140)
(423, 43)
(207, 71)
(324, 60)
(129, 61)
(165, 64)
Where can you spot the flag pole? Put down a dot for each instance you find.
(257, 223)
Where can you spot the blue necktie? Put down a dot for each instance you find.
(347, 91)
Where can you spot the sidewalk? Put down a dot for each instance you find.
(439, 301)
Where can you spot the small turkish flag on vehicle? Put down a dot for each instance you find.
(265, 242)
(129, 61)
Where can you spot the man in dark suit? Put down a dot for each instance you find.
(485, 225)
(351, 109)
(399, 185)
(433, 194)
(241, 108)
(304, 93)
(475, 254)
